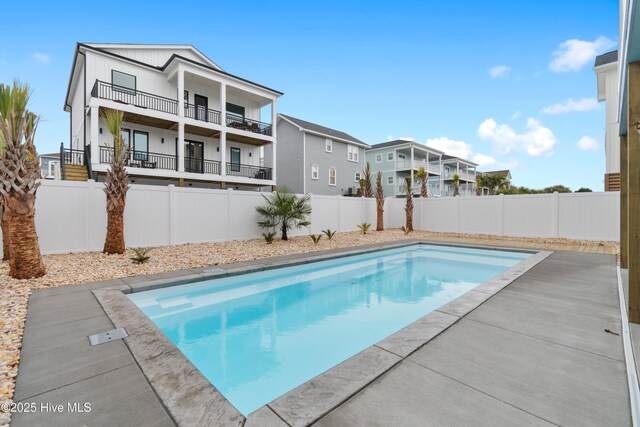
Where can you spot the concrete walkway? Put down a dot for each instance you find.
(536, 353)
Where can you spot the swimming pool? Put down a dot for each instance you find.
(257, 336)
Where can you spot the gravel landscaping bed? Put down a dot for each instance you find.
(76, 268)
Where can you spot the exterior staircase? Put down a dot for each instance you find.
(75, 173)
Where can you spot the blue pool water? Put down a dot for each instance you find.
(257, 336)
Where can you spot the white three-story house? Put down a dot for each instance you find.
(186, 121)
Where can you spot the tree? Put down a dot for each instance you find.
(409, 205)
(368, 188)
(480, 184)
(559, 188)
(4, 219)
(456, 185)
(584, 190)
(494, 183)
(379, 202)
(422, 175)
(19, 181)
(116, 185)
(284, 211)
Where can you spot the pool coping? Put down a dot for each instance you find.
(191, 399)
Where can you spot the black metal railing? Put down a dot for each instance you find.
(142, 159)
(254, 126)
(249, 171)
(134, 97)
(201, 113)
(195, 165)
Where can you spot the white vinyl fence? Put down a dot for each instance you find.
(71, 216)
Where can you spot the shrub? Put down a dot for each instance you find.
(268, 236)
(364, 227)
(405, 230)
(316, 238)
(141, 255)
(284, 211)
(329, 233)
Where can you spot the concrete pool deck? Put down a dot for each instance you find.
(534, 353)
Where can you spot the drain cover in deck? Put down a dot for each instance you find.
(112, 335)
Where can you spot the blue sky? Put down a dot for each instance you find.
(490, 80)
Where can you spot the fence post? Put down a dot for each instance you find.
(172, 214)
(555, 211)
(501, 216)
(339, 213)
(87, 212)
(459, 213)
(229, 196)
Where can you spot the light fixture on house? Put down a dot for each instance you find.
(249, 154)
(218, 149)
(100, 131)
(162, 140)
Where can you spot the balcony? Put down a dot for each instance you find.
(433, 168)
(149, 160)
(149, 101)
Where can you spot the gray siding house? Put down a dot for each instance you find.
(316, 159)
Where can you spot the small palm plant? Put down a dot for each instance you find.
(284, 211)
(364, 227)
(316, 238)
(405, 230)
(141, 255)
(456, 185)
(268, 236)
(329, 233)
(422, 175)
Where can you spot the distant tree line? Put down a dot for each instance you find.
(499, 185)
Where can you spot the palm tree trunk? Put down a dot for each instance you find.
(423, 188)
(409, 210)
(380, 214)
(25, 261)
(284, 232)
(114, 241)
(6, 237)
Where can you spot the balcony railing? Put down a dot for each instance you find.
(73, 157)
(255, 172)
(195, 165)
(417, 164)
(142, 159)
(249, 125)
(202, 113)
(135, 97)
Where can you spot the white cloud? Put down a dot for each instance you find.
(516, 115)
(450, 146)
(587, 143)
(584, 104)
(535, 141)
(574, 54)
(484, 160)
(40, 57)
(499, 71)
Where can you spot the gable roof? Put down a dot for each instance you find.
(606, 58)
(118, 47)
(448, 157)
(322, 130)
(503, 173)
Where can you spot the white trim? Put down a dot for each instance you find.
(378, 161)
(357, 176)
(392, 156)
(317, 170)
(393, 180)
(335, 177)
(328, 145)
(353, 153)
(632, 374)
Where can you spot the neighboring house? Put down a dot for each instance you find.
(316, 159)
(186, 120)
(606, 68)
(504, 174)
(466, 171)
(50, 166)
(399, 159)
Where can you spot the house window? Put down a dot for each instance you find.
(140, 145)
(126, 138)
(332, 176)
(237, 111)
(314, 171)
(390, 180)
(123, 82)
(390, 156)
(378, 158)
(358, 176)
(328, 145)
(186, 96)
(352, 153)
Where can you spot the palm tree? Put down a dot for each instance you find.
(480, 184)
(368, 189)
(19, 181)
(284, 211)
(409, 206)
(379, 202)
(456, 185)
(494, 182)
(116, 185)
(422, 175)
(4, 219)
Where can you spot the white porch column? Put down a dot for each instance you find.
(274, 147)
(411, 166)
(180, 92)
(223, 104)
(180, 146)
(94, 134)
(223, 153)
